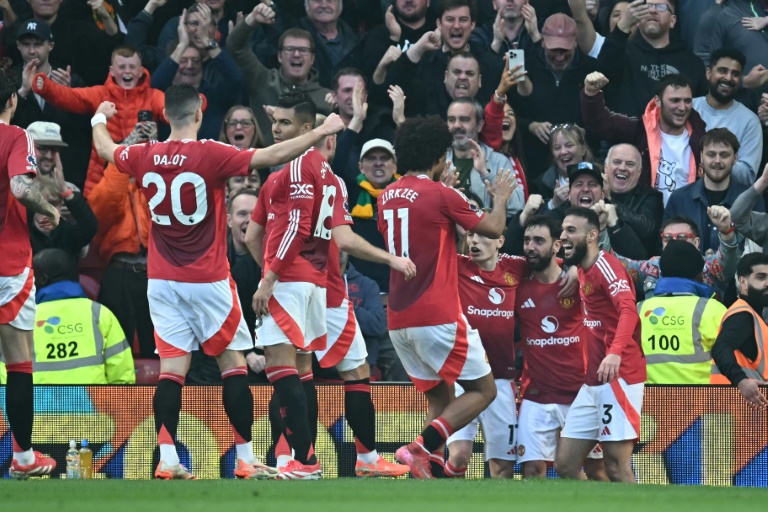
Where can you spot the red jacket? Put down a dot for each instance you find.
(86, 100)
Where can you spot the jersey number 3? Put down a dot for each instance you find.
(188, 219)
(392, 224)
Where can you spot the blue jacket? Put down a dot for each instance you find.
(691, 201)
(366, 298)
(682, 286)
(60, 290)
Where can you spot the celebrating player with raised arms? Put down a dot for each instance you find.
(418, 217)
(192, 298)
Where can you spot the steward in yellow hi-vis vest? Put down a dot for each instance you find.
(680, 322)
(740, 349)
(76, 340)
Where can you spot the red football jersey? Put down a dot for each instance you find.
(184, 183)
(301, 213)
(613, 325)
(336, 289)
(488, 300)
(554, 342)
(418, 218)
(18, 157)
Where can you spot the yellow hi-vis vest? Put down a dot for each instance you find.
(754, 369)
(78, 341)
(678, 332)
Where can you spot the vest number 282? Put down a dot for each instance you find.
(61, 350)
(402, 216)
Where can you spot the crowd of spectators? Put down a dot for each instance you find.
(652, 112)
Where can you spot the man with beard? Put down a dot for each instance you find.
(607, 407)
(487, 285)
(719, 109)
(668, 135)
(718, 186)
(334, 38)
(476, 162)
(514, 27)
(636, 65)
(740, 348)
(404, 23)
(552, 334)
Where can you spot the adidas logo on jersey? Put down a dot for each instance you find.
(478, 279)
(605, 432)
(528, 304)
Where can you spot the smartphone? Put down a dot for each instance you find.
(517, 58)
(145, 115)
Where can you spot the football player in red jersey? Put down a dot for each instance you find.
(17, 287)
(193, 299)
(418, 217)
(607, 407)
(553, 339)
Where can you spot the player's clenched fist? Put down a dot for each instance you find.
(594, 82)
(332, 124)
(533, 205)
(107, 108)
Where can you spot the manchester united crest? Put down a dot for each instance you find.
(587, 288)
(509, 279)
(567, 302)
(520, 450)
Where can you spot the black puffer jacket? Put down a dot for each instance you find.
(641, 210)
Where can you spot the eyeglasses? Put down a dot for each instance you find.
(683, 236)
(245, 123)
(659, 7)
(559, 127)
(303, 50)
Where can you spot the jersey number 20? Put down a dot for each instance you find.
(188, 219)
(392, 224)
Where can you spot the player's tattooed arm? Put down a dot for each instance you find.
(25, 190)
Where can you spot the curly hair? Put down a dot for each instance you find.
(420, 142)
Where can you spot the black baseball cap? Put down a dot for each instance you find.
(594, 170)
(37, 28)
(681, 259)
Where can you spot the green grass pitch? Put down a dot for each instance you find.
(358, 495)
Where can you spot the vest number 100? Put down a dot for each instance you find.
(665, 343)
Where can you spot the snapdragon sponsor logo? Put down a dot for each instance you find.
(490, 313)
(592, 323)
(552, 340)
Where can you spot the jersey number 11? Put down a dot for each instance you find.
(402, 216)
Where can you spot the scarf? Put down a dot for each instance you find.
(364, 207)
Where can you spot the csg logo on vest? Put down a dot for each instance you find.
(54, 324)
(658, 315)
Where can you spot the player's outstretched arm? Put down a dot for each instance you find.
(494, 223)
(356, 246)
(25, 190)
(279, 154)
(254, 240)
(102, 140)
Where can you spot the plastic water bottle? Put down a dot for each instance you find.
(73, 461)
(86, 461)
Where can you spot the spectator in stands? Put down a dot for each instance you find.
(568, 146)
(245, 271)
(718, 186)
(476, 162)
(122, 239)
(677, 352)
(428, 59)
(514, 27)
(719, 268)
(77, 341)
(405, 22)
(197, 60)
(365, 296)
(240, 130)
(9, 18)
(364, 121)
(719, 109)
(264, 86)
(636, 66)
(589, 40)
(738, 24)
(334, 39)
(668, 135)
(739, 350)
(556, 68)
(747, 212)
(220, 13)
(35, 44)
(639, 207)
(79, 43)
(127, 86)
(78, 224)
